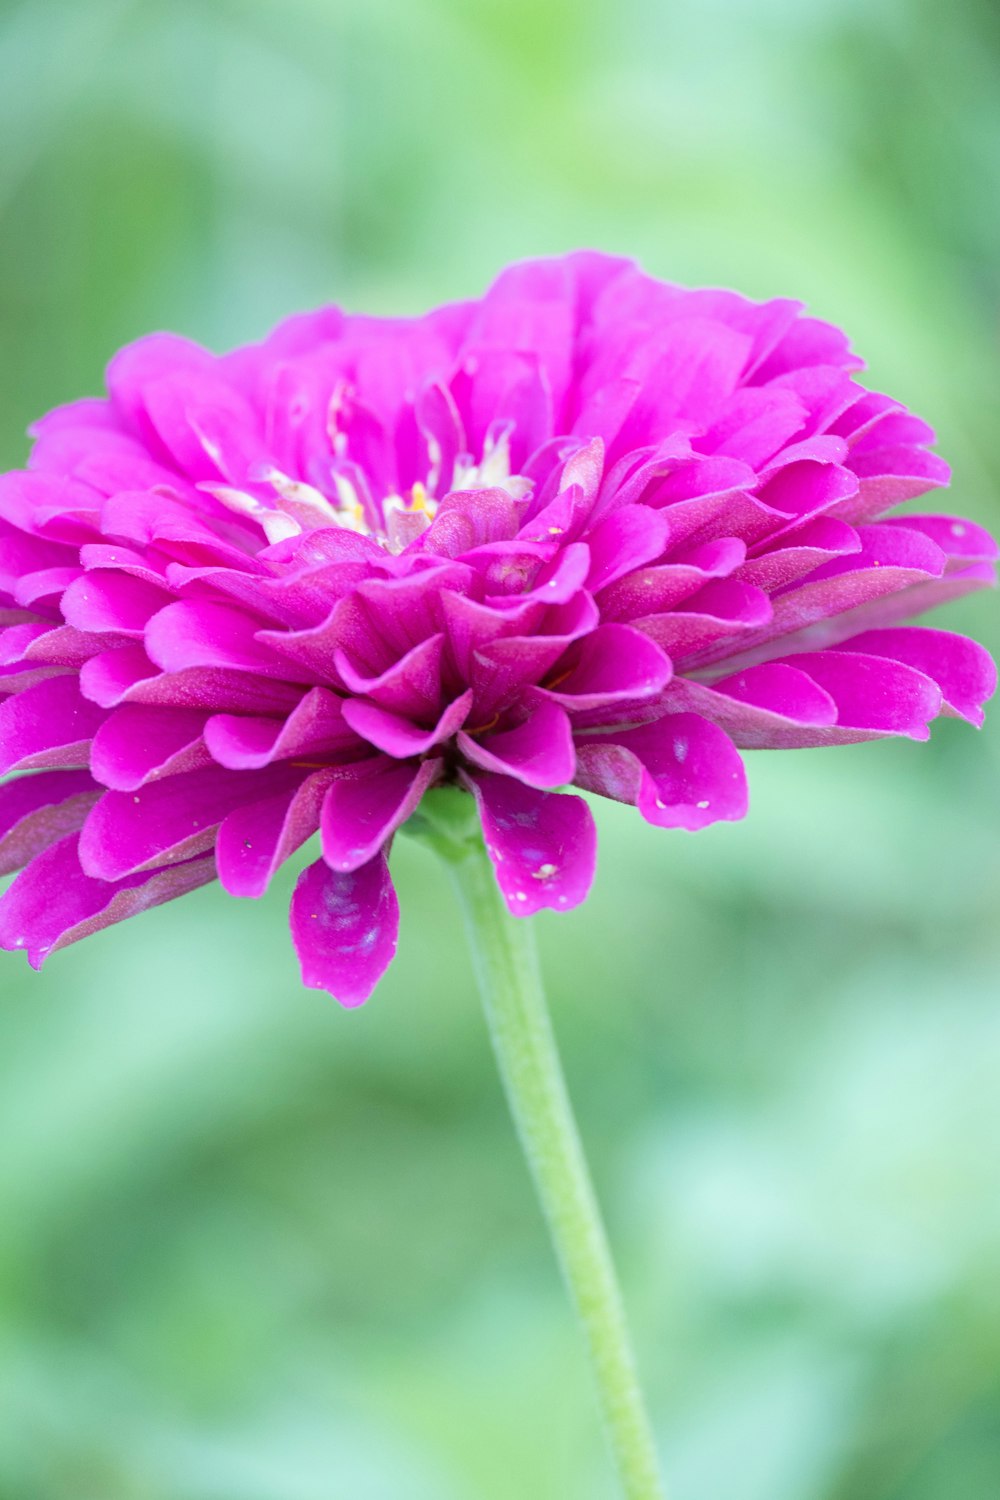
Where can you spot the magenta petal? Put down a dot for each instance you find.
(107, 600)
(774, 706)
(169, 820)
(254, 841)
(36, 811)
(873, 694)
(501, 670)
(202, 634)
(126, 675)
(399, 737)
(316, 726)
(345, 928)
(650, 590)
(538, 752)
(627, 539)
(963, 670)
(612, 665)
(49, 724)
(360, 813)
(470, 518)
(412, 685)
(138, 742)
(543, 844)
(53, 902)
(681, 771)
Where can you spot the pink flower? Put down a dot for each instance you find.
(592, 529)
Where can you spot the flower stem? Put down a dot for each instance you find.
(506, 963)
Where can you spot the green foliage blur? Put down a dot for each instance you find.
(254, 1247)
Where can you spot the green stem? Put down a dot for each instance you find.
(506, 963)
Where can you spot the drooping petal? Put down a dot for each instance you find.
(345, 928)
(543, 844)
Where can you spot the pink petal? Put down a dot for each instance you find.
(874, 695)
(768, 707)
(315, 727)
(627, 539)
(126, 675)
(714, 622)
(204, 634)
(500, 670)
(345, 928)
(169, 820)
(612, 665)
(106, 600)
(411, 686)
(651, 591)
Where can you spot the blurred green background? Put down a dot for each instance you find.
(253, 1247)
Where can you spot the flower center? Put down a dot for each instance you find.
(294, 506)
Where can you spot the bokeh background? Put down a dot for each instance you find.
(253, 1247)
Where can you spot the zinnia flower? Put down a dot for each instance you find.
(591, 529)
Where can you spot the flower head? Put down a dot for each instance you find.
(591, 529)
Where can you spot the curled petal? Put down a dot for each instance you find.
(315, 727)
(613, 665)
(400, 737)
(137, 743)
(410, 686)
